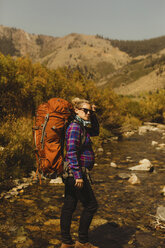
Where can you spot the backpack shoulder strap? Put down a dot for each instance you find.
(83, 135)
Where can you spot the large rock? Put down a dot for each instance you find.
(144, 129)
(100, 150)
(1, 148)
(154, 143)
(128, 133)
(162, 146)
(163, 191)
(149, 126)
(144, 165)
(124, 175)
(160, 213)
(112, 164)
(161, 126)
(134, 179)
(57, 180)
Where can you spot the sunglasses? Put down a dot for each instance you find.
(86, 111)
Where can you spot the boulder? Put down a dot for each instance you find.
(57, 180)
(158, 148)
(7, 196)
(163, 191)
(112, 164)
(20, 187)
(1, 148)
(162, 145)
(144, 129)
(129, 159)
(161, 126)
(144, 165)
(124, 175)
(100, 150)
(160, 213)
(129, 133)
(14, 189)
(25, 185)
(108, 153)
(13, 193)
(147, 123)
(134, 179)
(115, 138)
(154, 143)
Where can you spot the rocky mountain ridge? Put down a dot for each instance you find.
(109, 66)
(70, 50)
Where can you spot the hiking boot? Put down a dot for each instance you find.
(67, 245)
(85, 245)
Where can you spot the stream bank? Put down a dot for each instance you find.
(126, 214)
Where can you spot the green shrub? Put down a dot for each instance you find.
(17, 158)
(153, 106)
(130, 123)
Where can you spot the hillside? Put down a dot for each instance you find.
(129, 67)
(140, 47)
(142, 74)
(72, 50)
(17, 42)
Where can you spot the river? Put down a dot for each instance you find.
(125, 218)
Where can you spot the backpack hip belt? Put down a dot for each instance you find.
(67, 172)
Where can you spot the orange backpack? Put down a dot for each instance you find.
(49, 133)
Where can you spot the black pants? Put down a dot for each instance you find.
(88, 200)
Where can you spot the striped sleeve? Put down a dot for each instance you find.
(73, 135)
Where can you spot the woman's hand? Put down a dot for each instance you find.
(93, 107)
(79, 183)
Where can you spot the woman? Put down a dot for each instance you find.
(80, 159)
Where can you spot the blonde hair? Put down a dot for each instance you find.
(77, 102)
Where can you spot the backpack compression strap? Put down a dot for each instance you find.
(43, 130)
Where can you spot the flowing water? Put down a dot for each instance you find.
(125, 218)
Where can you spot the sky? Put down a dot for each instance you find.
(114, 19)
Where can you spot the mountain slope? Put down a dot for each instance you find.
(101, 58)
(83, 50)
(17, 42)
(150, 82)
(71, 50)
(142, 74)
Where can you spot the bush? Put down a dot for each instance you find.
(153, 106)
(130, 123)
(17, 158)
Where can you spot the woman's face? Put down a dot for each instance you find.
(84, 112)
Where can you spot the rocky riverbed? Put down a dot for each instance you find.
(128, 209)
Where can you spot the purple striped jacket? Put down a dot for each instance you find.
(79, 155)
